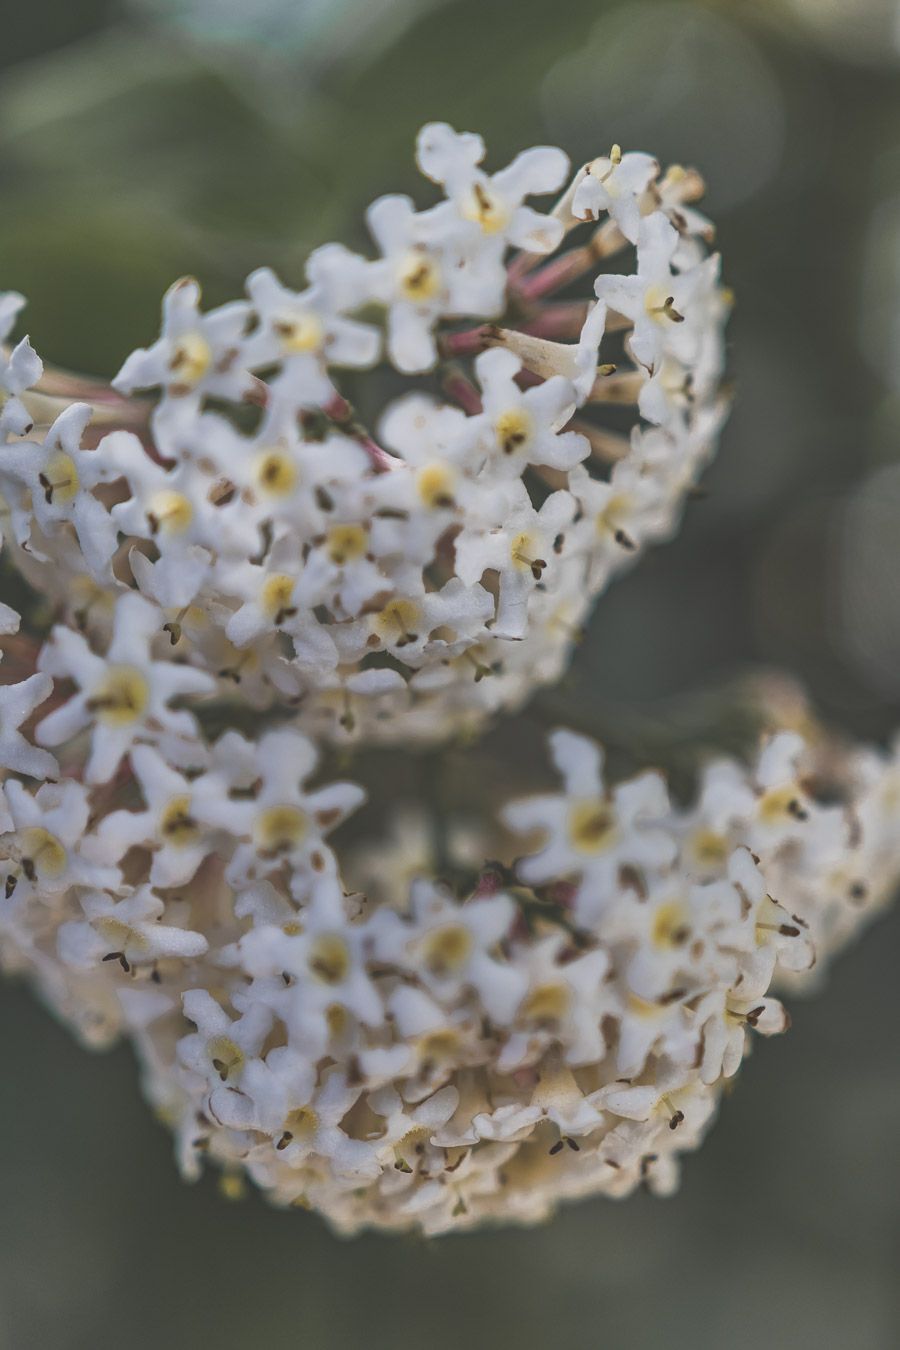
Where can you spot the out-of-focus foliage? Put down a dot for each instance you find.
(141, 141)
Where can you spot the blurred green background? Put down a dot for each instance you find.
(146, 139)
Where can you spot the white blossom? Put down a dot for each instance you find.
(615, 183)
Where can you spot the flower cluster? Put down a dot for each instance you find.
(407, 581)
(429, 1057)
(242, 550)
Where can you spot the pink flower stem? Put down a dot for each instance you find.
(338, 410)
(469, 342)
(462, 391)
(559, 322)
(553, 276)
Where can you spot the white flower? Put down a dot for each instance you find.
(126, 931)
(657, 300)
(454, 946)
(494, 205)
(123, 696)
(615, 183)
(306, 332)
(278, 1098)
(196, 353)
(565, 1004)
(174, 507)
(576, 362)
(48, 843)
(592, 833)
(518, 428)
(725, 1019)
(60, 478)
(417, 278)
(167, 825)
(520, 551)
(222, 1047)
(281, 823)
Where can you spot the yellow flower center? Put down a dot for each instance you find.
(280, 829)
(176, 825)
(346, 543)
(523, 551)
(709, 848)
(275, 473)
(300, 1126)
(191, 359)
(547, 1003)
(398, 621)
(169, 513)
(487, 209)
(435, 484)
(447, 949)
(329, 958)
(226, 1057)
(779, 803)
(121, 697)
(659, 305)
(513, 430)
(418, 276)
(670, 925)
(303, 332)
(60, 479)
(438, 1046)
(608, 521)
(44, 852)
(119, 936)
(276, 596)
(592, 826)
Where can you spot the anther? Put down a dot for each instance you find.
(481, 670)
(537, 565)
(50, 487)
(668, 309)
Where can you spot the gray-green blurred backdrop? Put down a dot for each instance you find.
(144, 139)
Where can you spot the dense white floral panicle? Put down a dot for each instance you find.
(431, 1057)
(241, 551)
(405, 588)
